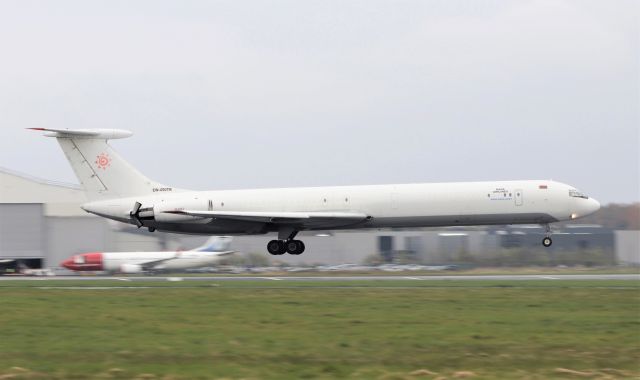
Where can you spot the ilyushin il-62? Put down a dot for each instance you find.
(116, 190)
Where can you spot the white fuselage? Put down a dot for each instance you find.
(179, 260)
(396, 206)
(137, 262)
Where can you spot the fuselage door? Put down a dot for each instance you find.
(394, 200)
(518, 197)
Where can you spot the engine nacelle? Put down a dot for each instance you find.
(130, 268)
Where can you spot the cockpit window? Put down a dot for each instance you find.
(576, 194)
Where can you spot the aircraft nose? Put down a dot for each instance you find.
(593, 206)
(68, 263)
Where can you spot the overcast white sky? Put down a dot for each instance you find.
(239, 94)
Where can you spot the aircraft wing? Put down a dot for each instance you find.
(157, 264)
(149, 265)
(303, 218)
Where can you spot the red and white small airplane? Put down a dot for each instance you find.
(116, 190)
(139, 262)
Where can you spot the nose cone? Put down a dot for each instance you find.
(84, 262)
(592, 206)
(68, 263)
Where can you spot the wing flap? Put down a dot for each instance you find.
(148, 265)
(159, 264)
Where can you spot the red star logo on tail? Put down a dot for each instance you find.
(103, 161)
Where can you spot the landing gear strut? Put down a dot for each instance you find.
(547, 239)
(286, 243)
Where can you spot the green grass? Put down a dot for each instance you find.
(532, 270)
(297, 330)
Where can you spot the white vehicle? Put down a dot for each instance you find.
(24, 270)
(118, 191)
(46, 272)
(139, 262)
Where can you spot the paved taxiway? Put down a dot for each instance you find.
(549, 277)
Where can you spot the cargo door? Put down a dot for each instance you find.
(394, 200)
(518, 197)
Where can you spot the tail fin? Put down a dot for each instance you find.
(216, 244)
(101, 171)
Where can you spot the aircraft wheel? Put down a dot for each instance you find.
(276, 247)
(294, 247)
(547, 242)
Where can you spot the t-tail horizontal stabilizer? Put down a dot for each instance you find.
(106, 134)
(103, 173)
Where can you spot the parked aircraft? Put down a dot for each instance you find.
(118, 191)
(138, 262)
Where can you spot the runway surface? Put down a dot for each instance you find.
(550, 277)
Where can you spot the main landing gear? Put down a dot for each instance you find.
(547, 239)
(279, 247)
(286, 243)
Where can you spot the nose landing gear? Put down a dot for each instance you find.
(547, 239)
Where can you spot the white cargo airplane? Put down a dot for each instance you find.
(139, 262)
(118, 191)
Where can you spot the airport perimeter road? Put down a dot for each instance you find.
(549, 277)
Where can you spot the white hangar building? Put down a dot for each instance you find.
(41, 222)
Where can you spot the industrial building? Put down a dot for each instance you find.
(41, 223)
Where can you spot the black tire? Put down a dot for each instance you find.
(295, 247)
(292, 246)
(547, 242)
(276, 247)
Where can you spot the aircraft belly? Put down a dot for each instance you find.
(225, 227)
(215, 227)
(461, 220)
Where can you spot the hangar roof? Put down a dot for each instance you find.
(59, 199)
